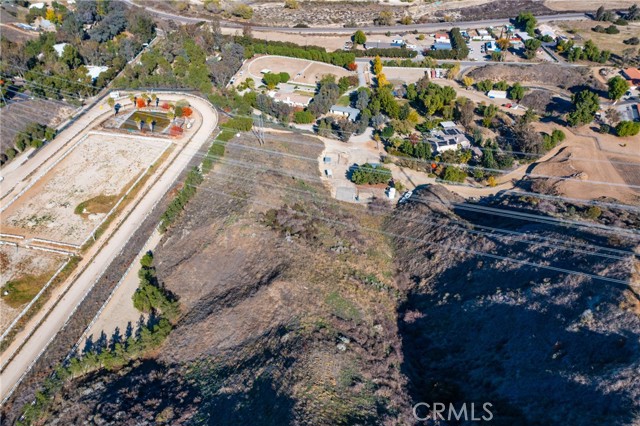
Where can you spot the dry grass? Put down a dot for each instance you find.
(99, 204)
(612, 42)
(23, 289)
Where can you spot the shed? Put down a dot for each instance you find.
(441, 46)
(497, 94)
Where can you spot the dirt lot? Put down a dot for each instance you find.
(543, 74)
(300, 70)
(24, 272)
(97, 171)
(612, 42)
(588, 5)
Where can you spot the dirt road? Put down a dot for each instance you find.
(36, 336)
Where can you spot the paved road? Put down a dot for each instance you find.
(39, 335)
(372, 29)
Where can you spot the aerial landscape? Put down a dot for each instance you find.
(320, 212)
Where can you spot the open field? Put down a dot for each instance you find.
(95, 174)
(612, 42)
(24, 273)
(587, 5)
(301, 70)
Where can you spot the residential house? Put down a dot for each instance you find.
(632, 75)
(291, 99)
(442, 38)
(450, 138)
(345, 111)
(546, 30)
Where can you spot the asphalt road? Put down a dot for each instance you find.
(37, 334)
(372, 29)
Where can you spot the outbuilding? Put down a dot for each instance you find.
(497, 94)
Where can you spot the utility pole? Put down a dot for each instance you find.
(258, 128)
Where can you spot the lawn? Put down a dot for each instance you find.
(162, 122)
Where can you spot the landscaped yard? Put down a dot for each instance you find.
(161, 119)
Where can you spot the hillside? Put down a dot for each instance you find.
(544, 347)
(300, 310)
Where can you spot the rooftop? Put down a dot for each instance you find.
(632, 73)
(345, 110)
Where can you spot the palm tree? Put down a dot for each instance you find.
(138, 121)
(171, 115)
(111, 102)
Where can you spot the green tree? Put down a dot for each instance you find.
(242, 11)
(627, 128)
(517, 92)
(527, 22)
(368, 174)
(454, 174)
(618, 86)
(585, 105)
(359, 37)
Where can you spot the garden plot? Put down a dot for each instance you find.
(24, 273)
(70, 200)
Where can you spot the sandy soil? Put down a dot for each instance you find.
(588, 5)
(99, 165)
(16, 264)
(301, 70)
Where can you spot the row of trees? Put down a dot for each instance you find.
(459, 49)
(34, 135)
(314, 53)
(589, 52)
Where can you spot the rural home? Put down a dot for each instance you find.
(345, 111)
(449, 138)
(632, 75)
(442, 38)
(291, 99)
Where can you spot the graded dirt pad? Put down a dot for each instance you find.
(309, 71)
(543, 74)
(24, 272)
(100, 165)
(589, 173)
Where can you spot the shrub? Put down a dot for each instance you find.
(141, 103)
(369, 174)
(187, 112)
(627, 128)
(242, 11)
(454, 174)
(176, 131)
(593, 212)
(243, 124)
(303, 117)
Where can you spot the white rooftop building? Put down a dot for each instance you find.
(94, 71)
(39, 5)
(497, 94)
(59, 48)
